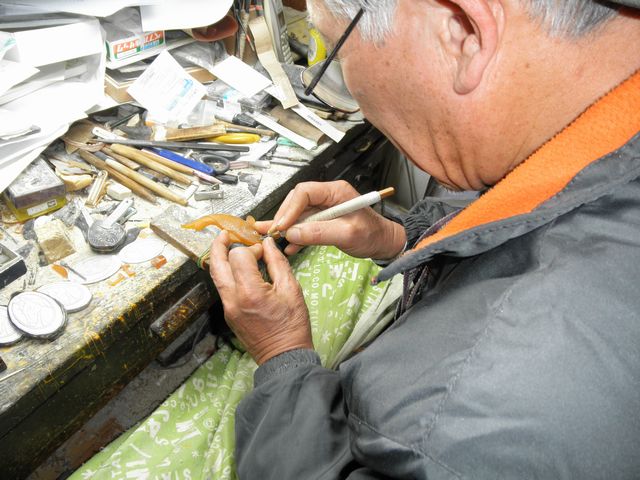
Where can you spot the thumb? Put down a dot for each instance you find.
(277, 264)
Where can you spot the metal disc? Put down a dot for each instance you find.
(73, 296)
(141, 250)
(95, 268)
(8, 333)
(36, 314)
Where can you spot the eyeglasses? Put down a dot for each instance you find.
(334, 52)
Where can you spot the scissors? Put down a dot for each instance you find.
(219, 165)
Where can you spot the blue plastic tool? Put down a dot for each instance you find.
(168, 154)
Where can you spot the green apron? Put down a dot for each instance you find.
(191, 434)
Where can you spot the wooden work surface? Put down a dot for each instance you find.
(51, 387)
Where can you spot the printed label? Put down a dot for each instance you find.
(42, 207)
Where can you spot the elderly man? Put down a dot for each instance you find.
(516, 351)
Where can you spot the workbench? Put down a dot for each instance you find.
(52, 387)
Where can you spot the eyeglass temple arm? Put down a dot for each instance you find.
(333, 53)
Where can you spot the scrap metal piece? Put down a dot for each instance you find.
(252, 181)
(208, 195)
(97, 189)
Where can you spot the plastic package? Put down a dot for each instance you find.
(203, 114)
(204, 55)
(232, 100)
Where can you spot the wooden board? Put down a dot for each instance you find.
(168, 226)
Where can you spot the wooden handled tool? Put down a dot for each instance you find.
(233, 128)
(124, 160)
(123, 179)
(139, 157)
(150, 184)
(186, 134)
(168, 163)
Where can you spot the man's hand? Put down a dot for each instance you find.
(364, 233)
(268, 318)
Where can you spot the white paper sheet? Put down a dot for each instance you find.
(325, 127)
(6, 43)
(284, 131)
(181, 14)
(52, 108)
(237, 74)
(70, 38)
(97, 8)
(167, 90)
(47, 75)
(12, 73)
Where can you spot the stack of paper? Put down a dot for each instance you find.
(52, 64)
(51, 72)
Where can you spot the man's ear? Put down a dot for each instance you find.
(472, 32)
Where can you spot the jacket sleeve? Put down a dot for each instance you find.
(294, 424)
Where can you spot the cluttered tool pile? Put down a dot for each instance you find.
(103, 208)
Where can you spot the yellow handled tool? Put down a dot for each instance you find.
(235, 138)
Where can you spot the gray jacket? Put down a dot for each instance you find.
(520, 358)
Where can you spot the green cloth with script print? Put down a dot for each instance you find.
(191, 434)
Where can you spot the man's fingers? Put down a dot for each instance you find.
(292, 249)
(219, 267)
(263, 226)
(256, 250)
(244, 266)
(320, 233)
(311, 194)
(277, 264)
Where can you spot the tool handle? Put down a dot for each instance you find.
(150, 184)
(201, 167)
(345, 208)
(123, 179)
(118, 213)
(192, 145)
(139, 157)
(178, 167)
(124, 160)
(233, 128)
(186, 134)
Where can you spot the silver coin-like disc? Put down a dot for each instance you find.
(36, 314)
(8, 333)
(73, 296)
(95, 268)
(141, 250)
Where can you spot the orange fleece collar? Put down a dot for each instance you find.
(604, 127)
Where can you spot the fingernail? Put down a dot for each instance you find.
(294, 235)
(275, 226)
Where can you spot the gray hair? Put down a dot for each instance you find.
(572, 18)
(377, 21)
(561, 17)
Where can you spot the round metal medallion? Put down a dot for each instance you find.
(36, 314)
(141, 250)
(8, 333)
(95, 268)
(73, 296)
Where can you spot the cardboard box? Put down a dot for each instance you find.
(133, 45)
